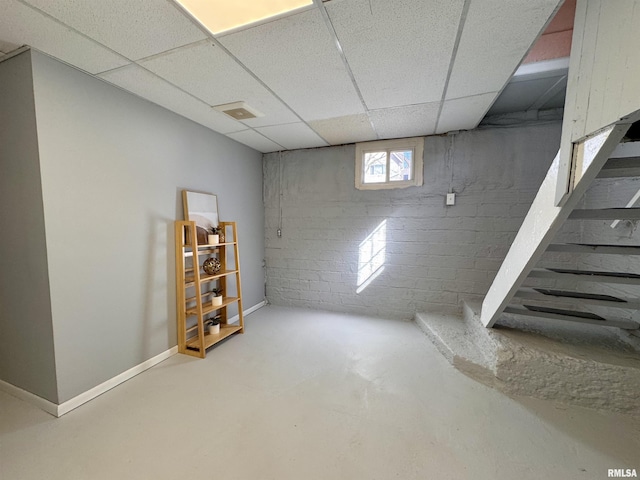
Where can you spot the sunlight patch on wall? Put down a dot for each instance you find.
(371, 256)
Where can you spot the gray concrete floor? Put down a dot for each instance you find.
(313, 395)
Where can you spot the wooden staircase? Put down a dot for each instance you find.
(542, 290)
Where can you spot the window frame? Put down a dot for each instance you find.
(415, 144)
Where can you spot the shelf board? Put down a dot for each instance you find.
(225, 331)
(190, 282)
(215, 244)
(205, 248)
(189, 254)
(208, 308)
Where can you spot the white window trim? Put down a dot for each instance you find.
(416, 144)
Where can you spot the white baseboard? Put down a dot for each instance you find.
(29, 397)
(98, 390)
(248, 311)
(75, 402)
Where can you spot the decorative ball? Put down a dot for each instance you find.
(211, 266)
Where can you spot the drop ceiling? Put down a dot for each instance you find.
(340, 71)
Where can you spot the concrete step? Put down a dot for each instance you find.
(586, 365)
(456, 340)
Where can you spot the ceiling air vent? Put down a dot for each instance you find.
(239, 111)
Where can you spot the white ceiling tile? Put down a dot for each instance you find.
(147, 85)
(211, 75)
(484, 63)
(409, 121)
(22, 25)
(347, 129)
(292, 136)
(256, 141)
(299, 61)
(133, 29)
(464, 113)
(400, 50)
(6, 47)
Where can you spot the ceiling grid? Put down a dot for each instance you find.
(224, 49)
(463, 18)
(335, 72)
(332, 30)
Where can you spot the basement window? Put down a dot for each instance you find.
(389, 164)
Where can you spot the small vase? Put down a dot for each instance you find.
(214, 329)
(211, 266)
(213, 239)
(216, 301)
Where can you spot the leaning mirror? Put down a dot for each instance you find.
(201, 208)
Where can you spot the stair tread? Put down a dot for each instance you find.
(586, 276)
(620, 167)
(593, 273)
(624, 162)
(562, 311)
(630, 213)
(573, 299)
(596, 245)
(578, 295)
(595, 248)
(571, 316)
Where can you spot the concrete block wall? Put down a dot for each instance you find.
(434, 254)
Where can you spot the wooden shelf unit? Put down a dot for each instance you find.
(192, 310)
(212, 339)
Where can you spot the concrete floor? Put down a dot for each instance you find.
(313, 395)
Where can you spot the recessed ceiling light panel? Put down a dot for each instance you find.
(238, 111)
(220, 16)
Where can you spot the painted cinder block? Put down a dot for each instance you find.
(433, 254)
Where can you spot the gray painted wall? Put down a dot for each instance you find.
(26, 336)
(435, 255)
(113, 166)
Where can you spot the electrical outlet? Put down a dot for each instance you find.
(451, 198)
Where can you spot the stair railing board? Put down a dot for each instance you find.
(544, 219)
